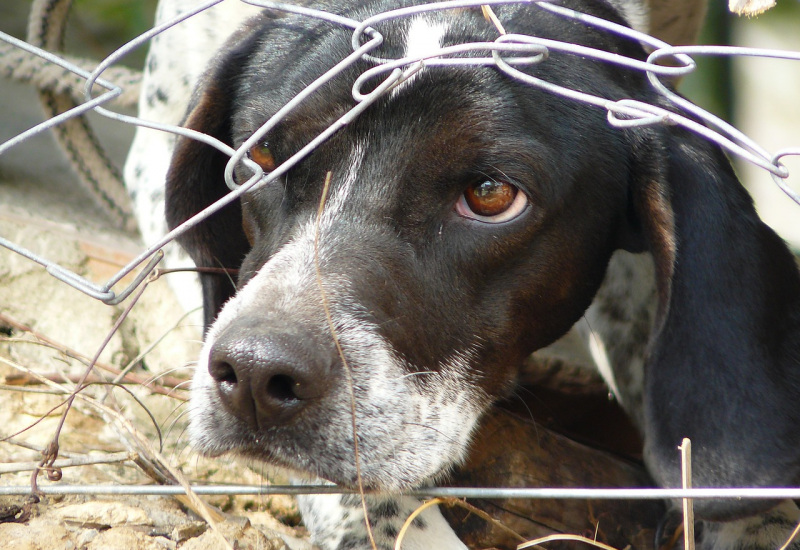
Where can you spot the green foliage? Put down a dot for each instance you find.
(122, 17)
(98, 27)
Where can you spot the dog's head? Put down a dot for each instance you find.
(468, 221)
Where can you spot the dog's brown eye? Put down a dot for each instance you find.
(491, 201)
(490, 198)
(261, 155)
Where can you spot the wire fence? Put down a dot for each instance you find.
(509, 54)
(549, 493)
(623, 113)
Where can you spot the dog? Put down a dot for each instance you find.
(469, 219)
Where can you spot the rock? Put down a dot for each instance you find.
(87, 536)
(188, 531)
(38, 534)
(241, 536)
(102, 514)
(123, 538)
(164, 542)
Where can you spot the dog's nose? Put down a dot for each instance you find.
(267, 379)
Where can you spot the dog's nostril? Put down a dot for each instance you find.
(223, 372)
(266, 377)
(282, 388)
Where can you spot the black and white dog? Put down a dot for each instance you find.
(470, 220)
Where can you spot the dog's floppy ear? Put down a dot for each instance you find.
(724, 362)
(195, 179)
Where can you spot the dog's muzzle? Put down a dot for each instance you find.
(280, 380)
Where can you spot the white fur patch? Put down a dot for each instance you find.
(335, 203)
(617, 326)
(423, 39)
(175, 61)
(765, 531)
(635, 12)
(598, 350)
(330, 520)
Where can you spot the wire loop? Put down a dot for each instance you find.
(514, 55)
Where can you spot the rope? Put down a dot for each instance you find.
(28, 68)
(59, 91)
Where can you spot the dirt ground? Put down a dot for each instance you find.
(126, 433)
(47, 333)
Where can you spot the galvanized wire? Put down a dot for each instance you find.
(622, 113)
(743, 493)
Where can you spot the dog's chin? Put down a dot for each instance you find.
(381, 477)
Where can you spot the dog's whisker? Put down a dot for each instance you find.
(174, 422)
(523, 401)
(172, 413)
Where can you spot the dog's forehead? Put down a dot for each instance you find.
(443, 126)
(293, 51)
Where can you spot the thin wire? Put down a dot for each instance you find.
(549, 493)
(623, 113)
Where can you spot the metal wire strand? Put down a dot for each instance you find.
(745, 493)
(509, 53)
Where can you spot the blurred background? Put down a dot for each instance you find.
(759, 96)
